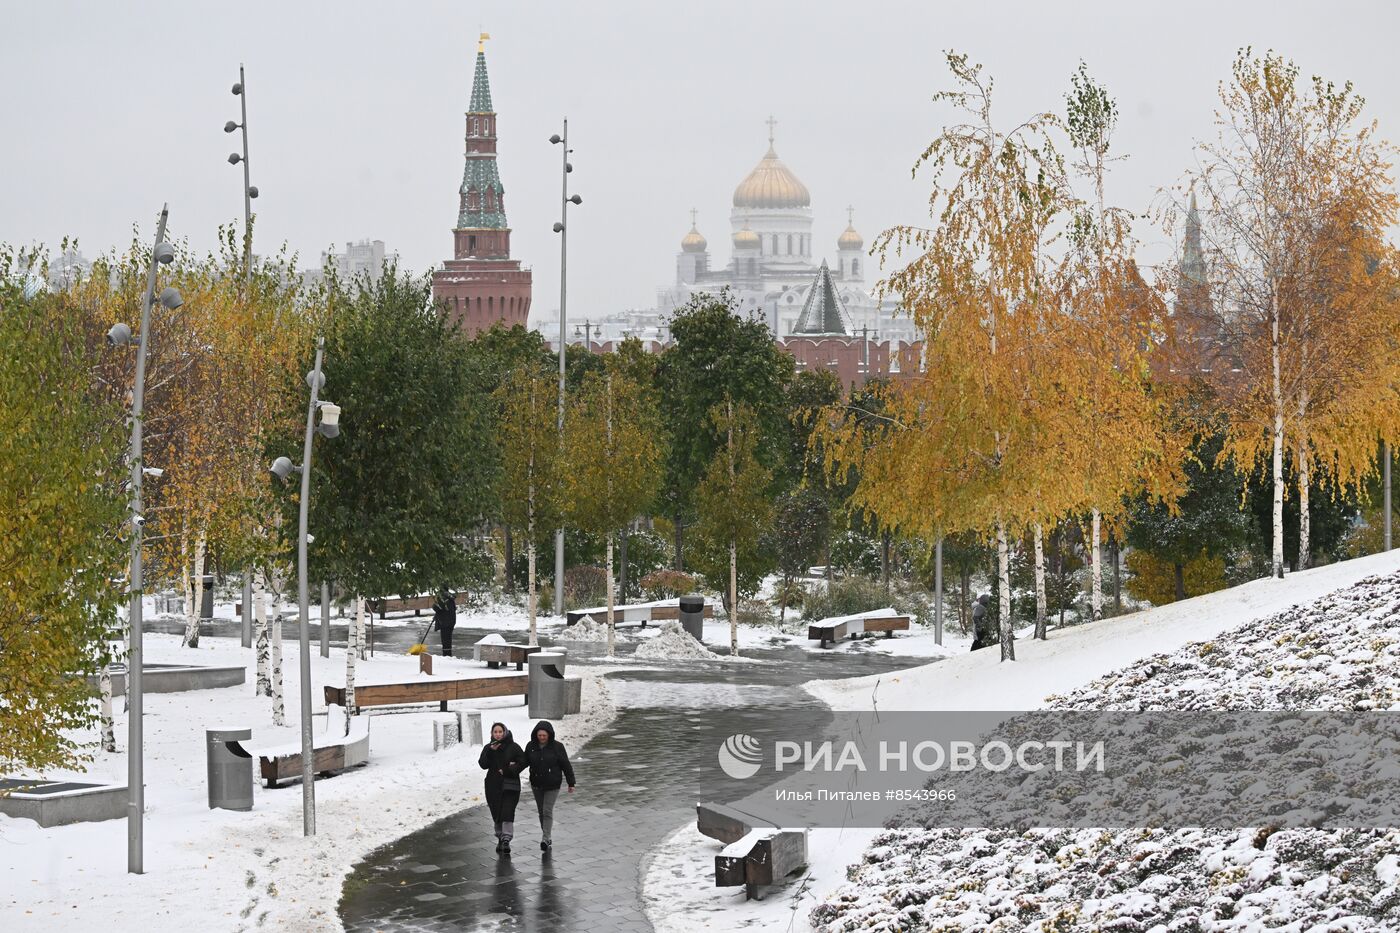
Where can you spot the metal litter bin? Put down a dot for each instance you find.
(206, 602)
(230, 769)
(693, 616)
(551, 694)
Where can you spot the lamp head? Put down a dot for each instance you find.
(119, 335)
(330, 419)
(234, 158)
(576, 199)
(555, 139)
(252, 191)
(230, 126)
(165, 253)
(170, 299)
(568, 168)
(558, 227)
(282, 468)
(237, 88)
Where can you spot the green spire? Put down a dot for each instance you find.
(822, 313)
(481, 87)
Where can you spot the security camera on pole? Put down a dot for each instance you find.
(283, 468)
(561, 228)
(120, 336)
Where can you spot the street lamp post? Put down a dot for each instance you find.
(282, 468)
(561, 228)
(240, 90)
(120, 335)
(249, 192)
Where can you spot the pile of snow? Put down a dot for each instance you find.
(674, 644)
(585, 629)
(1341, 652)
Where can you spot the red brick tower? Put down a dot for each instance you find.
(481, 285)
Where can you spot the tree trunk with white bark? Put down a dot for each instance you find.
(612, 622)
(1041, 623)
(261, 633)
(733, 599)
(1096, 567)
(352, 653)
(1008, 644)
(104, 683)
(196, 600)
(1278, 441)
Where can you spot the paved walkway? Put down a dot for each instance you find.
(638, 781)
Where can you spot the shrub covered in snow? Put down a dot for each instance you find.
(1341, 652)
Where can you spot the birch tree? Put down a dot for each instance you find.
(1296, 193)
(614, 461)
(531, 466)
(966, 451)
(734, 509)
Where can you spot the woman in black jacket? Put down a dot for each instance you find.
(549, 768)
(502, 760)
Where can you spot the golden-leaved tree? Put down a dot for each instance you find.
(613, 459)
(1298, 195)
(974, 435)
(531, 464)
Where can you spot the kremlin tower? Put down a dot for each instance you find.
(481, 285)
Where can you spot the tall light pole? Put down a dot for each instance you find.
(562, 229)
(282, 468)
(120, 336)
(240, 90)
(249, 192)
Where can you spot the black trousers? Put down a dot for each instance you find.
(446, 632)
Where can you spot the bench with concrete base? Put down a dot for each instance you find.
(499, 655)
(438, 690)
(332, 753)
(860, 625)
(757, 853)
(639, 613)
(400, 604)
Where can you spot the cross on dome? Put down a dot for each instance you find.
(771, 123)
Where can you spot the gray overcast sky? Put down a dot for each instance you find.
(356, 127)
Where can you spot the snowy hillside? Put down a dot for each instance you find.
(1339, 652)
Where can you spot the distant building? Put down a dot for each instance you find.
(481, 284)
(367, 257)
(67, 268)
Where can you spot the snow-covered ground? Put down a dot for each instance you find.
(679, 883)
(253, 870)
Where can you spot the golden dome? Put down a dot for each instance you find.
(771, 184)
(693, 242)
(746, 239)
(849, 239)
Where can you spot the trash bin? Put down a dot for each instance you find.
(206, 603)
(551, 694)
(230, 769)
(693, 616)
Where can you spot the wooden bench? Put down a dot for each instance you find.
(640, 613)
(400, 604)
(438, 690)
(829, 631)
(331, 754)
(757, 853)
(498, 655)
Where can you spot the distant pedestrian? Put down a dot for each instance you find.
(982, 634)
(502, 760)
(445, 618)
(549, 769)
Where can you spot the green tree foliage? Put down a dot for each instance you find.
(396, 494)
(799, 527)
(1204, 524)
(61, 522)
(717, 355)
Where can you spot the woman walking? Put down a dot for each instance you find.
(502, 760)
(549, 768)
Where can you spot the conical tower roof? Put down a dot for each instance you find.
(822, 313)
(481, 84)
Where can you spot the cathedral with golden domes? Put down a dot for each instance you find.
(774, 269)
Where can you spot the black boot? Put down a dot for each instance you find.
(499, 842)
(545, 844)
(505, 847)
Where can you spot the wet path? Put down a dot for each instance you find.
(638, 780)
